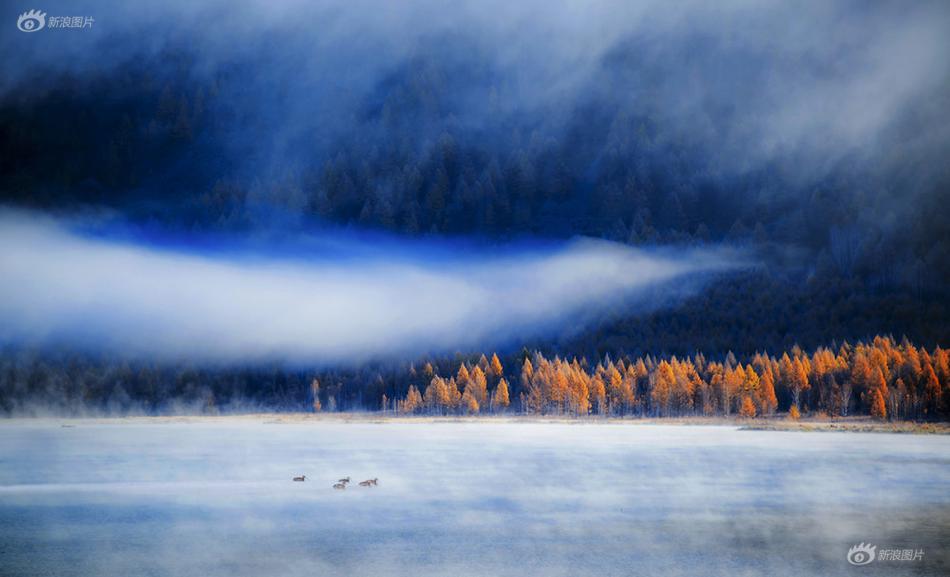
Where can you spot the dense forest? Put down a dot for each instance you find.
(839, 247)
(882, 378)
(662, 133)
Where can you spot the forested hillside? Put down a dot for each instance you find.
(662, 131)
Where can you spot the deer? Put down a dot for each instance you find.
(344, 480)
(339, 486)
(301, 478)
(368, 482)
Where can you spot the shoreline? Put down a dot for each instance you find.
(860, 424)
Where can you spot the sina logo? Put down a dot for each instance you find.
(861, 554)
(31, 21)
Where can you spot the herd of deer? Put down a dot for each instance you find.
(342, 483)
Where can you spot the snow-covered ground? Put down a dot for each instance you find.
(216, 498)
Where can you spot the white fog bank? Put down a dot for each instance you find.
(58, 285)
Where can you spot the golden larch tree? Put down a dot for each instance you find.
(878, 409)
(500, 400)
(497, 371)
(664, 381)
(747, 408)
(480, 384)
(469, 402)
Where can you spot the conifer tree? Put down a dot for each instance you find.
(500, 400)
(767, 400)
(497, 371)
(413, 401)
(469, 402)
(663, 388)
(878, 409)
(479, 384)
(747, 408)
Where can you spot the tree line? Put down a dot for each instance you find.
(882, 378)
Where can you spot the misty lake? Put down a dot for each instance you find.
(215, 497)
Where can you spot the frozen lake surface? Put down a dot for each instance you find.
(216, 499)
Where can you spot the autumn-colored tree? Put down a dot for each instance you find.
(879, 382)
(462, 377)
(483, 364)
(500, 399)
(630, 378)
(479, 384)
(766, 398)
(598, 394)
(454, 394)
(413, 401)
(750, 381)
(716, 378)
(469, 402)
(799, 381)
(747, 408)
(578, 390)
(793, 413)
(913, 382)
(664, 381)
(556, 387)
(932, 392)
(437, 395)
(732, 381)
(496, 369)
(878, 409)
(619, 392)
(527, 371)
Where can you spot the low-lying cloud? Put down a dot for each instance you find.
(59, 285)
